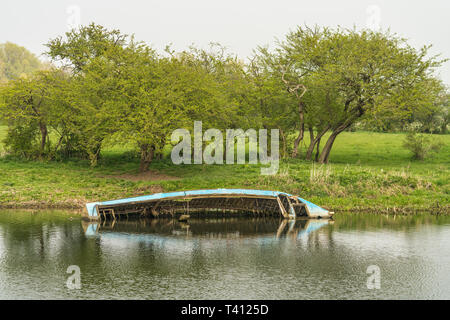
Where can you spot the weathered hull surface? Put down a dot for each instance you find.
(259, 202)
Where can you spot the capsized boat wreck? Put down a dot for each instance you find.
(220, 201)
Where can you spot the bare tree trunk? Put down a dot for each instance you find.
(301, 132)
(329, 144)
(316, 157)
(314, 142)
(147, 153)
(294, 88)
(94, 154)
(311, 133)
(283, 140)
(59, 142)
(327, 148)
(44, 133)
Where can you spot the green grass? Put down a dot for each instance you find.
(367, 172)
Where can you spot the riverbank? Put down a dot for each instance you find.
(368, 172)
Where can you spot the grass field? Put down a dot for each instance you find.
(367, 172)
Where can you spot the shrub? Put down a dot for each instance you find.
(22, 141)
(421, 145)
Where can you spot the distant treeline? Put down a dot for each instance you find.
(106, 87)
(16, 61)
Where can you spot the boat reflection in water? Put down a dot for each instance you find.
(156, 230)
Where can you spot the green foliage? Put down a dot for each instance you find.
(421, 145)
(25, 107)
(84, 44)
(83, 98)
(318, 82)
(122, 91)
(22, 141)
(350, 75)
(427, 112)
(16, 61)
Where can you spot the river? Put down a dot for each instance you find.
(356, 256)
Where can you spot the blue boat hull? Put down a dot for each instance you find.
(288, 205)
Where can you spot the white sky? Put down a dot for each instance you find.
(239, 25)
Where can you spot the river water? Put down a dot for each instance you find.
(356, 256)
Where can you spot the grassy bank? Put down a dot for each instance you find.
(367, 172)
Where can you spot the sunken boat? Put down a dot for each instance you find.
(208, 203)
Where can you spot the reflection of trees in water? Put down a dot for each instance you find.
(42, 241)
(364, 221)
(166, 251)
(201, 244)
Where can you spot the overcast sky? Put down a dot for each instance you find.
(240, 25)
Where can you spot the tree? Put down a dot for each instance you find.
(357, 71)
(370, 68)
(92, 57)
(81, 46)
(294, 60)
(230, 84)
(165, 94)
(272, 105)
(16, 61)
(225, 99)
(430, 110)
(25, 107)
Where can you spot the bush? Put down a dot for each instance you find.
(22, 141)
(421, 145)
